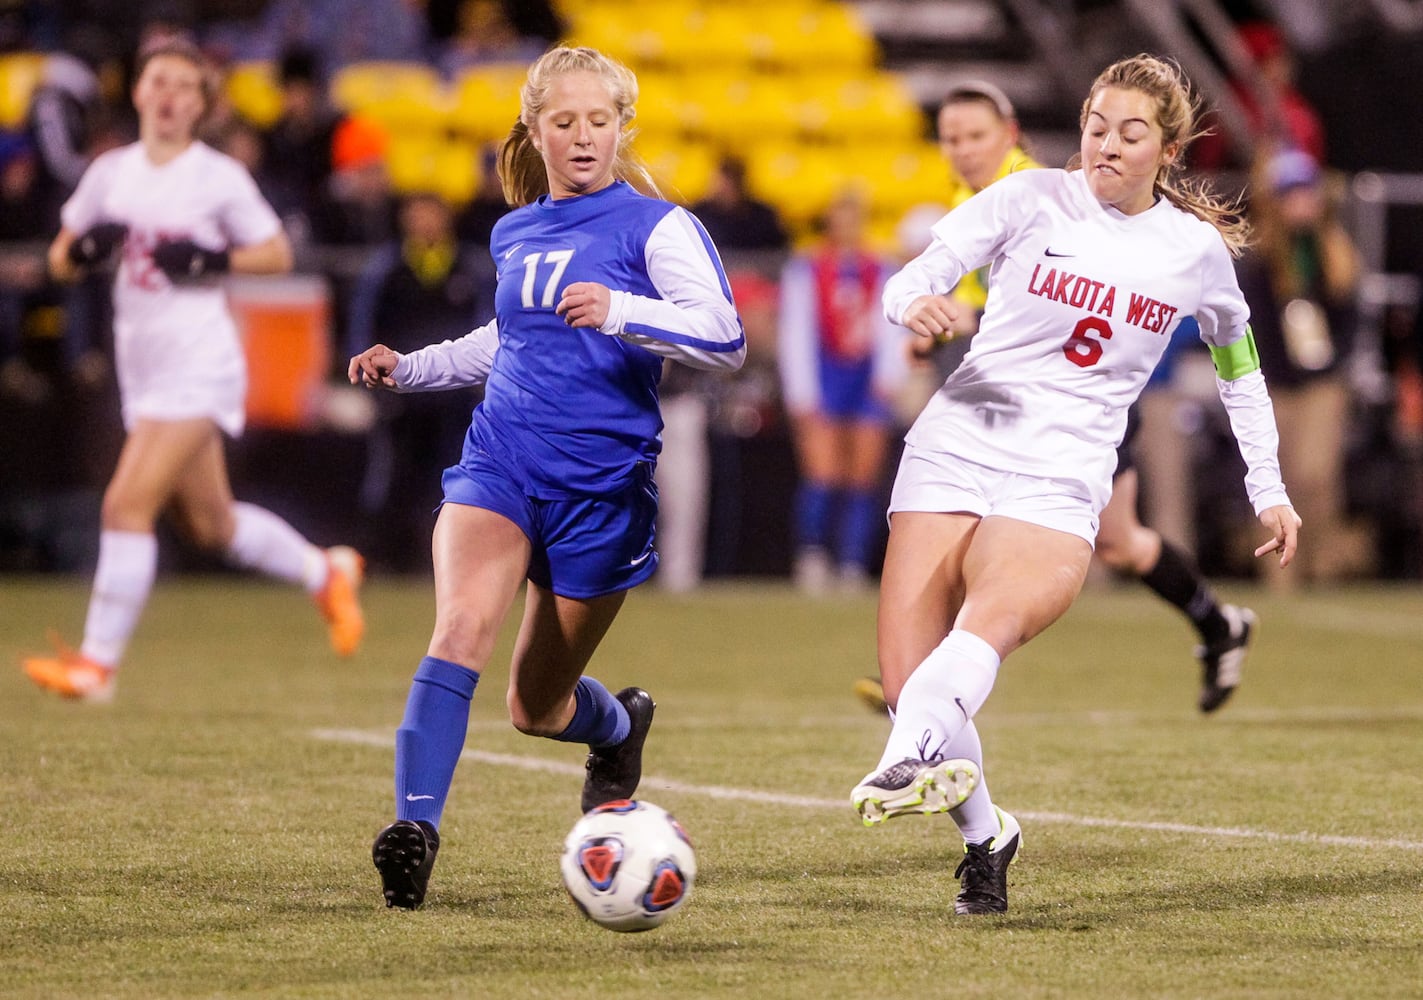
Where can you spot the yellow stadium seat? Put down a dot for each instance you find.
(799, 180)
(683, 170)
(710, 38)
(447, 167)
(360, 85)
(253, 91)
(664, 109)
(19, 75)
(486, 100)
(738, 109)
(809, 37)
(866, 106)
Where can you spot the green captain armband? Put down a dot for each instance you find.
(1237, 359)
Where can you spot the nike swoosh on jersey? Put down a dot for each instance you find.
(1049, 252)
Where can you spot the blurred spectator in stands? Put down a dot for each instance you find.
(476, 220)
(1301, 281)
(733, 218)
(22, 215)
(1279, 115)
(64, 115)
(483, 34)
(529, 19)
(707, 511)
(357, 206)
(841, 364)
(691, 401)
(297, 159)
(423, 288)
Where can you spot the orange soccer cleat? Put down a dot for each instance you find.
(339, 601)
(70, 674)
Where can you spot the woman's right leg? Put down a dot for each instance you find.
(480, 560)
(150, 464)
(817, 459)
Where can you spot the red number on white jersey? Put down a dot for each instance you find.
(1085, 351)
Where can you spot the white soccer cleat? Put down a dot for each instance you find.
(914, 786)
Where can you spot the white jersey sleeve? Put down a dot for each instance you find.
(796, 338)
(695, 321)
(1224, 317)
(450, 364)
(85, 207)
(962, 241)
(244, 215)
(1252, 421)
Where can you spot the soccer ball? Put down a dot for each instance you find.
(628, 865)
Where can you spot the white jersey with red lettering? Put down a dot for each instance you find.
(176, 347)
(1082, 303)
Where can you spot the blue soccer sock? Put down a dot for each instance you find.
(813, 503)
(599, 719)
(431, 737)
(860, 520)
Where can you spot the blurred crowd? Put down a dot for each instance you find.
(764, 473)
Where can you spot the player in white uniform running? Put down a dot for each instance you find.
(1005, 473)
(182, 214)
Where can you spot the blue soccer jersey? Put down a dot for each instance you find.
(573, 411)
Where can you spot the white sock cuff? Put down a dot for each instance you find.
(263, 541)
(968, 646)
(127, 546)
(974, 664)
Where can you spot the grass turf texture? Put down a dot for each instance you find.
(209, 833)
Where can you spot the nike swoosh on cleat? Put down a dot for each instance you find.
(1049, 253)
(417, 798)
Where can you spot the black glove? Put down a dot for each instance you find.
(97, 243)
(185, 259)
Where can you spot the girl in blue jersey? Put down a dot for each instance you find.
(841, 364)
(598, 284)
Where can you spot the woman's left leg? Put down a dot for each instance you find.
(550, 696)
(254, 538)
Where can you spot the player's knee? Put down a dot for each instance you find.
(463, 637)
(209, 530)
(1114, 553)
(531, 720)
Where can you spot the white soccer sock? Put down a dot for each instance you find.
(940, 697)
(264, 542)
(128, 562)
(976, 818)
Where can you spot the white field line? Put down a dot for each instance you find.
(363, 738)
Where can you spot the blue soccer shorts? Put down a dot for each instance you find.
(583, 547)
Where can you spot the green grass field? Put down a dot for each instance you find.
(208, 834)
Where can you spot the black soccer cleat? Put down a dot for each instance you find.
(404, 854)
(1223, 660)
(984, 870)
(613, 772)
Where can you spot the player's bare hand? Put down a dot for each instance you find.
(372, 367)
(1284, 524)
(585, 303)
(932, 316)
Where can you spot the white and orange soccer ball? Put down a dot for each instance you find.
(628, 865)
